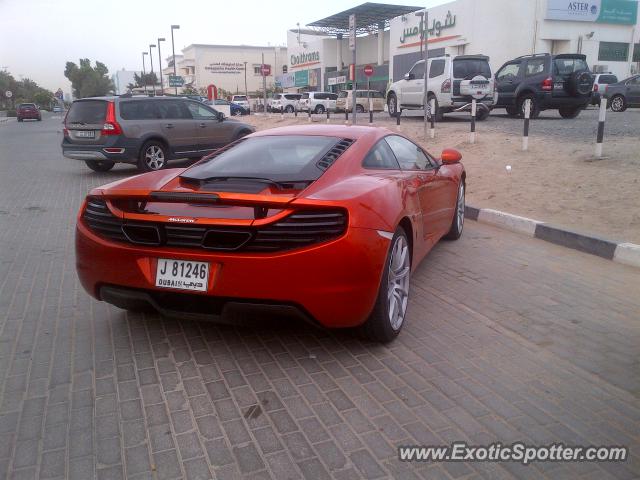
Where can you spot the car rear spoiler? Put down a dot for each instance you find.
(572, 55)
(221, 198)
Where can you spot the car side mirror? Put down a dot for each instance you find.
(450, 156)
(408, 76)
(220, 116)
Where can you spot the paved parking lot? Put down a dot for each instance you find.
(507, 339)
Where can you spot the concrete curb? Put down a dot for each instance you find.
(626, 253)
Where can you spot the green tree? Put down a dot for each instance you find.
(140, 80)
(43, 98)
(88, 81)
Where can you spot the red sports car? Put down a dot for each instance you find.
(325, 222)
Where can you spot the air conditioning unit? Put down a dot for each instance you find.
(600, 68)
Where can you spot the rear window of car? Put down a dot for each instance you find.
(27, 105)
(566, 66)
(239, 98)
(468, 68)
(87, 111)
(277, 157)
(607, 79)
(292, 96)
(305, 96)
(343, 94)
(332, 96)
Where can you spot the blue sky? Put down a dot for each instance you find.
(37, 37)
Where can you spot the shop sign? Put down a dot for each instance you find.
(301, 78)
(337, 80)
(435, 31)
(286, 81)
(225, 67)
(621, 12)
(305, 58)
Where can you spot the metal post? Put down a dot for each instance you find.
(601, 118)
(160, 66)
(144, 73)
(472, 135)
(346, 112)
(369, 101)
(246, 92)
(309, 113)
(525, 133)
(327, 114)
(151, 57)
(352, 33)
(432, 111)
(173, 51)
(398, 119)
(424, 37)
(264, 85)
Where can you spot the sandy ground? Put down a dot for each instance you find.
(556, 181)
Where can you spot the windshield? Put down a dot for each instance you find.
(468, 68)
(278, 158)
(87, 111)
(566, 66)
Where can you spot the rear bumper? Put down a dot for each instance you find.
(546, 100)
(125, 153)
(29, 116)
(335, 283)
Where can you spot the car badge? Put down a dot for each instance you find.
(182, 220)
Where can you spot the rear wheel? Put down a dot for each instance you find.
(319, 109)
(387, 318)
(153, 156)
(457, 223)
(100, 165)
(512, 111)
(438, 111)
(535, 108)
(569, 112)
(482, 114)
(618, 104)
(359, 108)
(289, 109)
(392, 105)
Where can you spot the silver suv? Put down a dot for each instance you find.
(144, 131)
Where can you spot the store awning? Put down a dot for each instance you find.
(368, 17)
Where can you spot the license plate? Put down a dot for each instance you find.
(182, 274)
(85, 133)
(558, 86)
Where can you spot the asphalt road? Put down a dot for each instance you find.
(507, 339)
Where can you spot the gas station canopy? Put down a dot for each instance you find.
(369, 16)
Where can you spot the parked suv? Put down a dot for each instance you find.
(243, 101)
(284, 102)
(28, 111)
(600, 82)
(318, 102)
(452, 83)
(552, 82)
(623, 94)
(146, 131)
(345, 101)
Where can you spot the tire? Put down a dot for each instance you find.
(100, 165)
(319, 109)
(359, 108)
(535, 108)
(236, 113)
(392, 104)
(512, 111)
(386, 321)
(483, 114)
(242, 133)
(289, 109)
(569, 112)
(618, 103)
(457, 224)
(39, 119)
(581, 84)
(153, 156)
(439, 113)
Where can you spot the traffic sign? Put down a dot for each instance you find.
(8, 94)
(265, 69)
(352, 31)
(368, 70)
(176, 81)
(59, 95)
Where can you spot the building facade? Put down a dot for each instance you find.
(122, 78)
(235, 68)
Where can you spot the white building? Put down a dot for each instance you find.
(122, 78)
(224, 66)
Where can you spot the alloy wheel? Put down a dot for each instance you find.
(460, 208)
(617, 104)
(154, 157)
(398, 282)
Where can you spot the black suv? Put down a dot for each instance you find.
(561, 82)
(146, 131)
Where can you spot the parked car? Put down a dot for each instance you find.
(451, 83)
(281, 221)
(345, 101)
(600, 82)
(552, 82)
(318, 102)
(235, 109)
(284, 102)
(57, 109)
(28, 111)
(243, 101)
(624, 94)
(145, 131)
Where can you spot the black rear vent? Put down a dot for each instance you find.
(225, 239)
(300, 229)
(100, 219)
(332, 155)
(142, 234)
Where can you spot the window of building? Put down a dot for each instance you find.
(257, 70)
(284, 69)
(636, 52)
(613, 52)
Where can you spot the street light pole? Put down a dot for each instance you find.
(424, 19)
(173, 51)
(246, 92)
(144, 73)
(160, 66)
(151, 45)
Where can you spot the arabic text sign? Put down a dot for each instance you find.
(435, 31)
(337, 80)
(623, 12)
(352, 32)
(176, 81)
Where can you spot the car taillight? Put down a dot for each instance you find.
(111, 127)
(446, 86)
(65, 132)
(547, 84)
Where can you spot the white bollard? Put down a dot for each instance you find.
(600, 135)
(432, 107)
(527, 116)
(472, 135)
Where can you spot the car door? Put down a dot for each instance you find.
(507, 80)
(212, 132)
(412, 90)
(633, 91)
(178, 127)
(432, 188)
